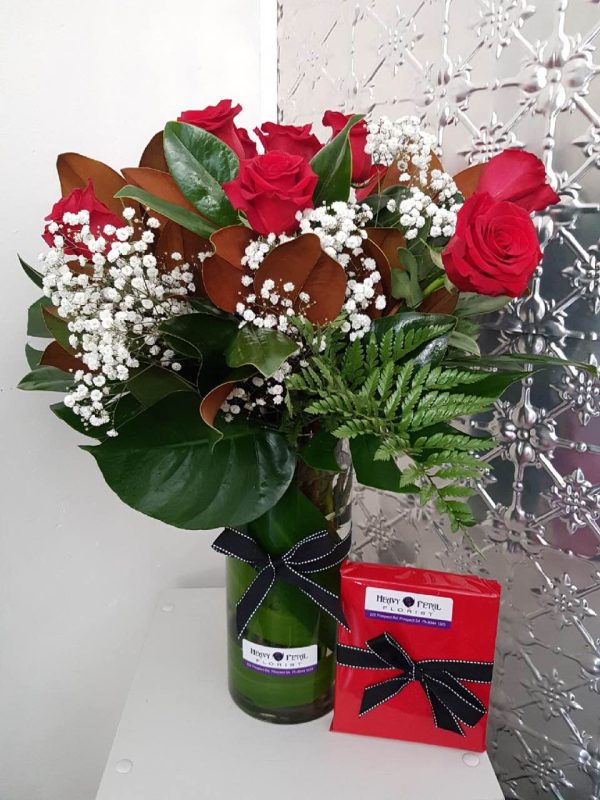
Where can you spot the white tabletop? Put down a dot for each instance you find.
(182, 738)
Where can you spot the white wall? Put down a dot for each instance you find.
(79, 572)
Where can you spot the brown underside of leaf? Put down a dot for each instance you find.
(172, 238)
(158, 183)
(222, 272)
(154, 154)
(388, 240)
(302, 262)
(439, 302)
(74, 171)
(212, 402)
(55, 356)
(468, 179)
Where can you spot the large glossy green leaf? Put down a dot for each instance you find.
(35, 321)
(319, 452)
(200, 164)
(333, 166)
(46, 379)
(377, 474)
(196, 335)
(265, 349)
(31, 273)
(58, 328)
(33, 356)
(187, 219)
(163, 465)
(151, 384)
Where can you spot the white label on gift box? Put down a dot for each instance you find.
(279, 660)
(417, 609)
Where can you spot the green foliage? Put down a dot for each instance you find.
(333, 166)
(35, 320)
(46, 379)
(200, 164)
(31, 273)
(33, 356)
(122, 408)
(263, 348)
(151, 383)
(199, 334)
(163, 464)
(319, 452)
(182, 216)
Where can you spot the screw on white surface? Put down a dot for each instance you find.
(168, 607)
(124, 766)
(471, 759)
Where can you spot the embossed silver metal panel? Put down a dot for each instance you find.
(487, 74)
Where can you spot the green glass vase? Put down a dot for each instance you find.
(282, 668)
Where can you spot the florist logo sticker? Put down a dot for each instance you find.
(415, 609)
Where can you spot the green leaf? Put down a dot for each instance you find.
(371, 472)
(461, 341)
(333, 166)
(200, 163)
(151, 384)
(59, 329)
(516, 360)
(471, 304)
(35, 321)
(319, 453)
(121, 411)
(195, 335)
(31, 273)
(182, 216)
(33, 356)
(46, 379)
(401, 284)
(204, 306)
(291, 519)
(163, 465)
(413, 330)
(263, 348)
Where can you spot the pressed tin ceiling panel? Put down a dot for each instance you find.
(486, 75)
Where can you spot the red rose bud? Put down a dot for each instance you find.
(271, 189)
(363, 168)
(217, 120)
(99, 216)
(495, 248)
(248, 144)
(295, 139)
(520, 177)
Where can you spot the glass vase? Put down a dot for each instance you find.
(282, 668)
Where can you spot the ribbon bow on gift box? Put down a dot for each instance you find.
(441, 679)
(315, 553)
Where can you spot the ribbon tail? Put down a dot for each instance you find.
(253, 597)
(326, 600)
(461, 701)
(442, 715)
(378, 693)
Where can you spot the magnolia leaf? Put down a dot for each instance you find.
(154, 154)
(31, 273)
(468, 179)
(302, 263)
(389, 240)
(151, 384)
(159, 184)
(320, 452)
(33, 356)
(222, 273)
(333, 166)
(195, 335)
(265, 349)
(46, 379)
(164, 465)
(35, 321)
(56, 356)
(201, 164)
(121, 410)
(58, 327)
(75, 170)
(182, 216)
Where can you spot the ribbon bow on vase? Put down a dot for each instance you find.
(315, 553)
(441, 680)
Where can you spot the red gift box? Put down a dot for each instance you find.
(417, 661)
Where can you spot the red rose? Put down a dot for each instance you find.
(295, 139)
(495, 248)
(99, 216)
(217, 120)
(248, 144)
(271, 189)
(520, 177)
(363, 168)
